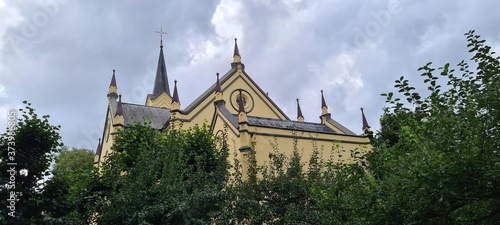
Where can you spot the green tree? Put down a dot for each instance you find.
(438, 163)
(274, 193)
(66, 192)
(35, 143)
(169, 177)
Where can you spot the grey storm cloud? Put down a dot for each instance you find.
(59, 54)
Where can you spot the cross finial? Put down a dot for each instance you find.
(161, 36)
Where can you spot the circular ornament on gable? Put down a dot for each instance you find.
(248, 102)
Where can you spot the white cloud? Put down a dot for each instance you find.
(340, 78)
(227, 17)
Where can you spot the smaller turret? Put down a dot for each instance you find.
(300, 117)
(218, 89)
(366, 127)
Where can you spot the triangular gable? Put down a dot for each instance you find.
(238, 79)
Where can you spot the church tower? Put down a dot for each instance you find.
(161, 92)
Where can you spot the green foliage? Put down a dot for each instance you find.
(174, 177)
(438, 161)
(435, 160)
(35, 142)
(67, 190)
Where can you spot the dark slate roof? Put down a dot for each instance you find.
(340, 126)
(139, 113)
(284, 124)
(289, 125)
(161, 80)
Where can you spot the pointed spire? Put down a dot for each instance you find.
(113, 80)
(323, 102)
(365, 122)
(113, 89)
(241, 107)
(161, 79)
(236, 55)
(119, 109)
(324, 107)
(175, 98)
(300, 117)
(217, 85)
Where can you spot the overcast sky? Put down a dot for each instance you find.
(59, 54)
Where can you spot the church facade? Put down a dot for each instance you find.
(234, 104)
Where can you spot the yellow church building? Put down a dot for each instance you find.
(234, 104)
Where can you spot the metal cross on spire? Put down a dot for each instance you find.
(161, 36)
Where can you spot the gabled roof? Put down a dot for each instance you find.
(139, 113)
(223, 79)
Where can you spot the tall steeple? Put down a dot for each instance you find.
(236, 55)
(161, 79)
(300, 117)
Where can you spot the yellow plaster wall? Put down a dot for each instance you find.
(267, 140)
(107, 140)
(162, 101)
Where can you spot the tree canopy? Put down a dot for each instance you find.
(170, 177)
(35, 143)
(435, 160)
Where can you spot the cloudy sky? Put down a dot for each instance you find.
(59, 54)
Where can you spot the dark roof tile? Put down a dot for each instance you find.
(138, 113)
(289, 125)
